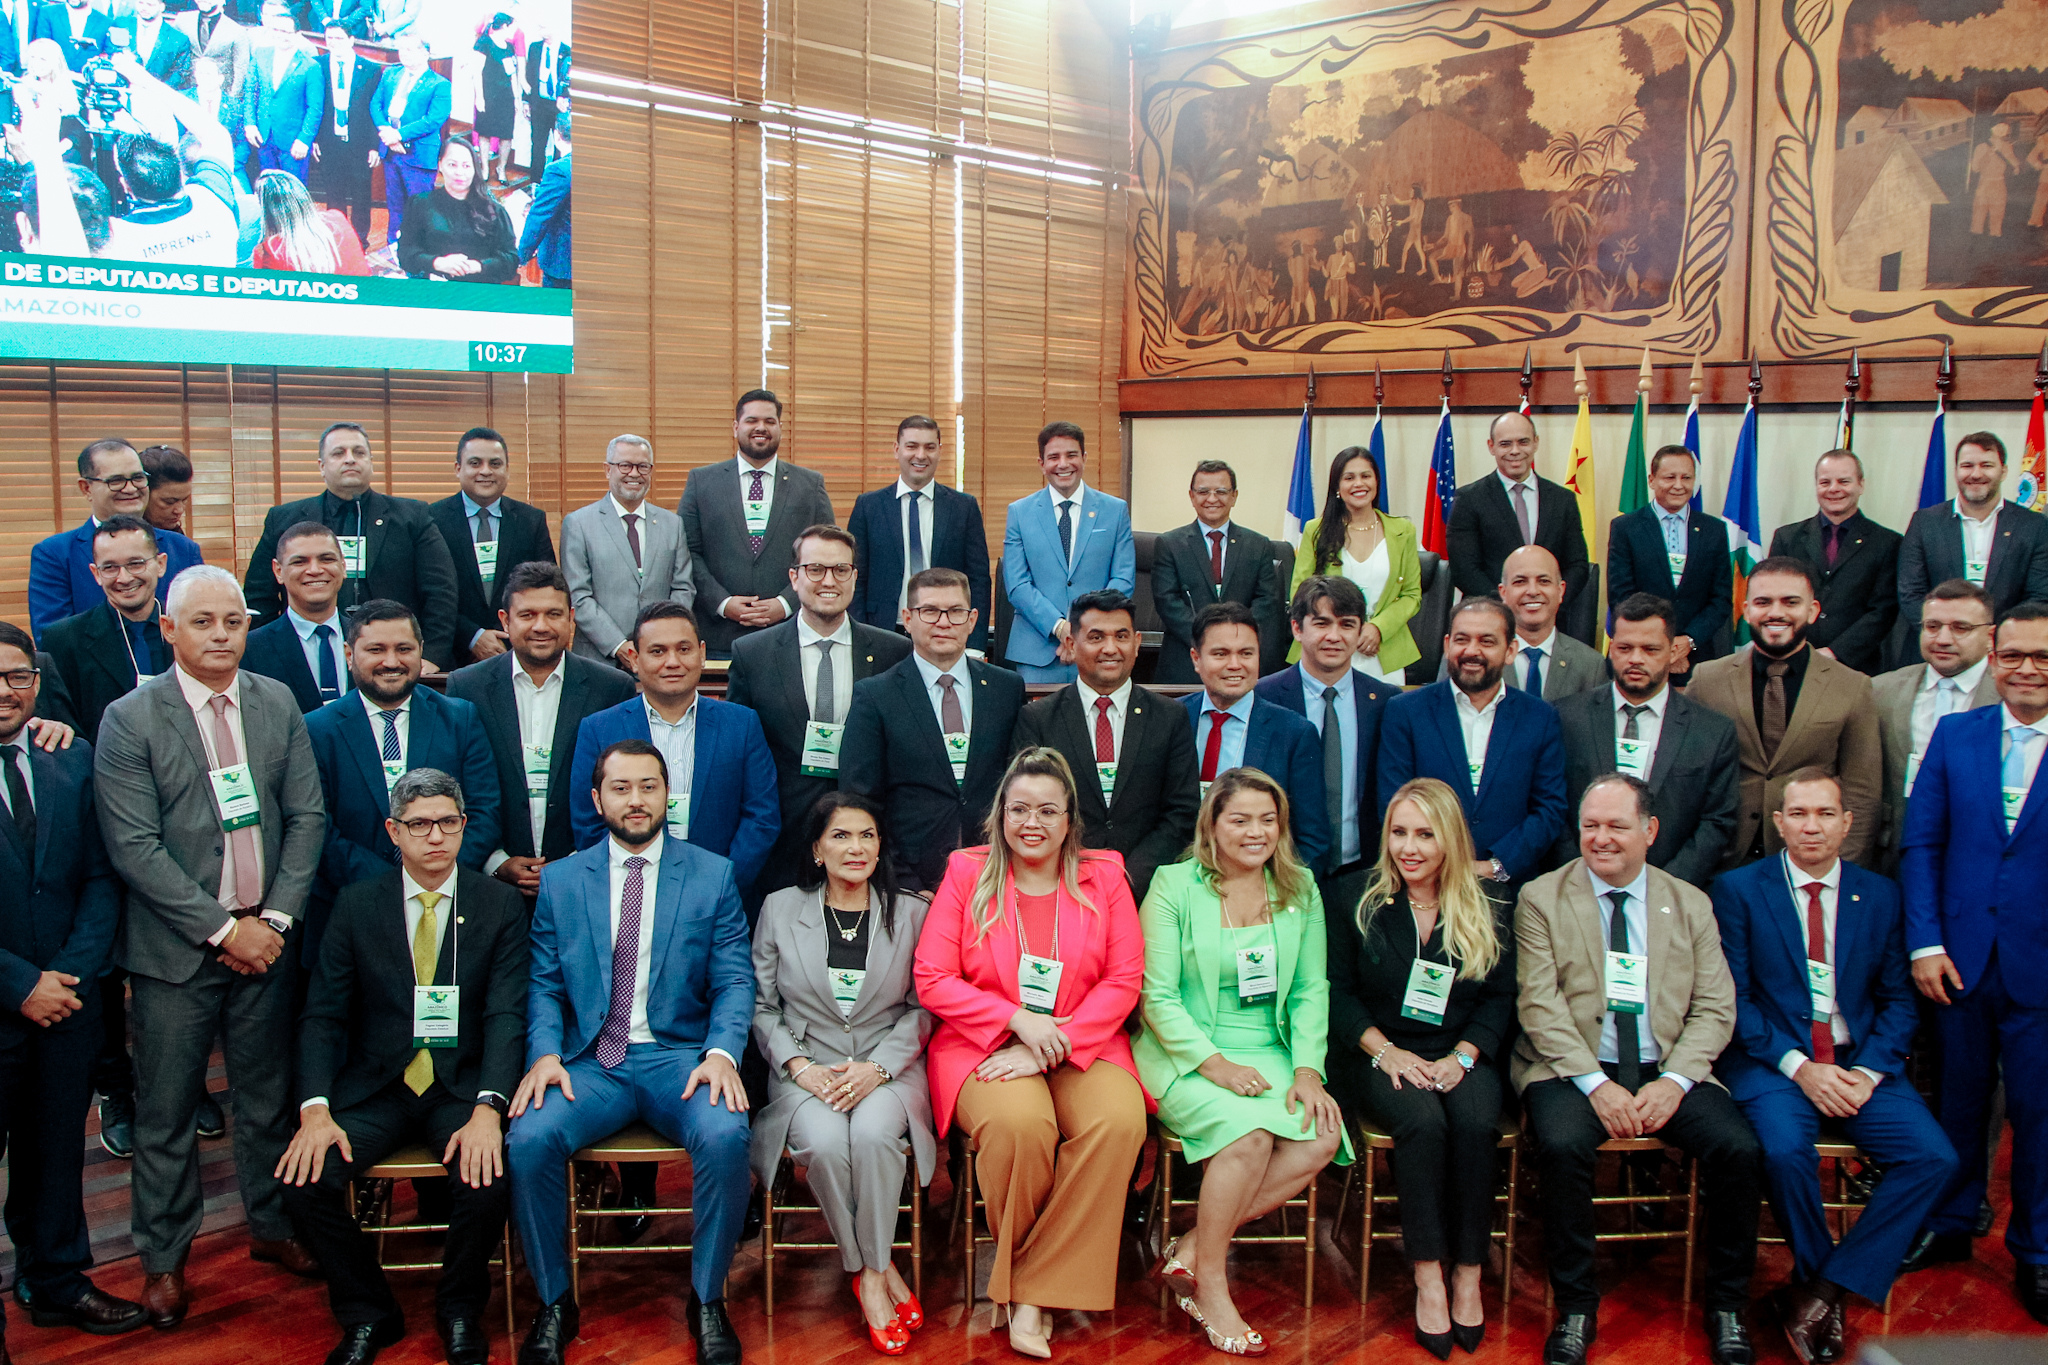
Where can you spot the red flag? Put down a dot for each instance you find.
(2033, 490)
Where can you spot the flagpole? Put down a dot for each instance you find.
(1696, 381)
(1376, 444)
(1852, 384)
(1934, 473)
(1528, 378)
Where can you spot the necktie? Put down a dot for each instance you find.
(1948, 698)
(1216, 558)
(1772, 728)
(485, 533)
(618, 1019)
(419, 1072)
(1532, 682)
(18, 802)
(1834, 543)
(824, 701)
(1105, 742)
(1522, 514)
(913, 501)
(390, 752)
(755, 494)
(2013, 772)
(1333, 769)
(1817, 950)
(1628, 1048)
(242, 842)
(1213, 750)
(1628, 727)
(950, 719)
(633, 537)
(330, 676)
(1067, 531)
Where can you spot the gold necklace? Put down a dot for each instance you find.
(839, 928)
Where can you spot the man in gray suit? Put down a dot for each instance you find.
(1533, 587)
(1955, 642)
(741, 517)
(209, 799)
(622, 553)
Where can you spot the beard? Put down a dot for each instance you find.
(627, 836)
(1487, 678)
(1790, 647)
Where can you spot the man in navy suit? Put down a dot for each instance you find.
(1668, 550)
(1234, 727)
(364, 743)
(914, 524)
(56, 938)
(60, 581)
(303, 647)
(488, 533)
(1974, 864)
(721, 787)
(1058, 543)
(347, 147)
(1328, 617)
(1824, 1016)
(1498, 747)
(662, 1048)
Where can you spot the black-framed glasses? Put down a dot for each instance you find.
(817, 572)
(2007, 658)
(952, 616)
(120, 482)
(632, 466)
(20, 679)
(447, 824)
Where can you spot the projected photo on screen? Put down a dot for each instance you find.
(359, 183)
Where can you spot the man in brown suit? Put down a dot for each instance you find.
(1625, 1003)
(1793, 708)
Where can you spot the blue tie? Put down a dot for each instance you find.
(915, 523)
(391, 753)
(1533, 683)
(2013, 772)
(330, 679)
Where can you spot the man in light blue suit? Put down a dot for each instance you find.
(663, 1048)
(722, 792)
(411, 109)
(1975, 861)
(60, 581)
(1499, 748)
(1824, 1015)
(1059, 543)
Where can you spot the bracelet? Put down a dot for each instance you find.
(1381, 1053)
(233, 925)
(881, 1071)
(808, 1064)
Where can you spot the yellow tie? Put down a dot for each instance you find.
(419, 1072)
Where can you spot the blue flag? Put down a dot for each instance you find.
(1934, 478)
(1376, 444)
(1301, 489)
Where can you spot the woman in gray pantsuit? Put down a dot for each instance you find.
(836, 1015)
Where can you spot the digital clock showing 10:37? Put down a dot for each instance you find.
(519, 355)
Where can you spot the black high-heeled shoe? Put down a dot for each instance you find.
(1468, 1338)
(1437, 1344)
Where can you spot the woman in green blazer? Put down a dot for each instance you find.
(1376, 551)
(1236, 1004)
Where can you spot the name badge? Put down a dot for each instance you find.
(234, 796)
(2015, 798)
(435, 1012)
(1205, 790)
(487, 559)
(1820, 985)
(1912, 772)
(1477, 770)
(821, 749)
(679, 815)
(1677, 566)
(757, 517)
(1628, 982)
(846, 987)
(141, 678)
(1038, 982)
(1105, 777)
(1973, 570)
(1429, 991)
(1257, 974)
(393, 770)
(956, 754)
(1632, 756)
(354, 553)
(539, 759)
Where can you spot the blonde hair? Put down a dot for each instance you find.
(1467, 917)
(1290, 881)
(985, 904)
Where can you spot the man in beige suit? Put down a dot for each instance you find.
(1793, 708)
(1955, 641)
(1625, 1003)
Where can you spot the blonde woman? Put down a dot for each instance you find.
(1374, 549)
(297, 236)
(1030, 961)
(1235, 1029)
(1422, 998)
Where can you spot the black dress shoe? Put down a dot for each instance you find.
(96, 1312)
(554, 1327)
(1469, 1338)
(711, 1329)
(359, 1345)
(1569, 1339)
(1805, 1317)
(2031, 1281)
(1728, 1340)
(750, 1226)
(117, 1125)
(1936, 1248)
(463, 1341)
(211, 1123)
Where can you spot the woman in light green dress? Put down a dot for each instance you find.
(1236, 1016)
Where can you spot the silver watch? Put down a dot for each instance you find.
(1467, 1062)
(1500, 873)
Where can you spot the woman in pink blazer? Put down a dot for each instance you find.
(1031, 961)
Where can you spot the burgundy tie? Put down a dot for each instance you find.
(1834, 543)
(633, 536)
(248, 876)
(1212, 752)
(1105, 742)
(1817, 950)
(1216, 558)
(618, 1020)
(754, 542)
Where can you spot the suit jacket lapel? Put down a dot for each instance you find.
(668, 912)
(1670, 737)
(1137, 724)
(1747, 735)
(1452, 736)
(1499, 740)
(1788, 916)
(912, 696)
(1071, 716)
(373, 530)
(813, 964)
(364, 746)
(1657, 916)
(791, 664)
(171, 699)
(1852, 539)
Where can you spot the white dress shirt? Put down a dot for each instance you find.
(637, 1030)
(1203, 530)
(1649, 725)
(2032, 759)
(1344, 823)
(539, 705)
(1080, 493)
(1119, 708)
(1236, 728)
(1977, 535)
(403, 711)
(926, 500)
(1477, 723)
(1534, 497)
(1830, 903)
(807, 653)
(311, 643)
(767, 472)
(199, 697)
(1635, 912)
(678, 745)
(930, 672)
(1929, 706)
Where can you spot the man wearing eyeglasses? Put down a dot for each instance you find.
(799, 678)
(1975, 860)
(60, 577)
(622, 554)
(414, 1032)
(104, 652)
(1955, 644)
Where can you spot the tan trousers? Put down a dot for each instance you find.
(1054, 1157)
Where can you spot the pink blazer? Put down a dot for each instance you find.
(971, 988)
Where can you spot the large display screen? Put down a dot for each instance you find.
(377, 183)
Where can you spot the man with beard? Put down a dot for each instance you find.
(1793, 709)
(1979, 537)
(1497, 747)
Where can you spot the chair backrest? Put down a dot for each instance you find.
(1582, 614)
(1147, 543)
(1283, 560)
(999, 629)
(1431, 620)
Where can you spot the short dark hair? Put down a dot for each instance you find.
(1066, 429)
(1486, 603)
(756, 396)
(936, 577)
(479, 434)
(11, 634)
(1345, 597)
(381, 609)
(638, 748)
(165, 464)
(1213, 467)
(299, 530)
(818, 819)
(1983, 440)
(1962, 590)
(918, 421)
(1662, 451)
(1637, 788)
(116, 526)
(562, 125)
(823, 531)
(1647, 606)
(1813, 772)
(89, 196)
(1104, 599)
(535, 575)
(1787, 564)
(665, 611)
(2034, 610)
(320, 446)
(1222, 614)
(91, 452)
(151, 169)
(423, 784)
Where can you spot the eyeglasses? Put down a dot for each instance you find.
(952, 616)
(1961, 630)
(20, 679)
(818, 572)
(126, 566)
(447, 824)
(121, 482)
(2010, 659)
(632, 466)
(1017, 814)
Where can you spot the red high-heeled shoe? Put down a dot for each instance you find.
(890, 1340)
(910, 1313)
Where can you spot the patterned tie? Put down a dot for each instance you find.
(485, 533)
(330, 677)
(1532, 678)
(1522, 514)
(1216, 558)
(1628, 1047)
(824, 701)
(1212, 752)
(1105, 742)
(1333, 769)
(754, 494)
(1772, 728)
(419, 1072)
(20, 805)
(913, 502)
(391, 753)
(248, 877)
(633, 537)
(1817, 951)
(950, 719)
(1067, 531)
(618, 1020)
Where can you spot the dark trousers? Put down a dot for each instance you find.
(541, 116)
(1707, 1126)
(344, 178)
(113, 1073)
(1444, 1159)
(45, 1089)
(1975, 1032)
(401, 182)
(392, 1118)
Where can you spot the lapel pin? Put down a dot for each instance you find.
(1855, 898)
(460, 920)
(1663, 909)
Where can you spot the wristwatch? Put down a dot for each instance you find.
(1500, 874)
(1467, 1062)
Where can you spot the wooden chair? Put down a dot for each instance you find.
(913, 1204)
(1629, 1199)
(1369, 1144)
(1163, 1205)
(1840, 1211)
(967, 1203)
(636, 1142)
(418, 1163)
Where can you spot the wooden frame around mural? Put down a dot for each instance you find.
(1572, 179)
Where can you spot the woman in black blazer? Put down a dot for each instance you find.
(1416, 1038)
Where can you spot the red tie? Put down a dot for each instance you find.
(1105, 743)
(1213, 750)
(1216, 558)
(1817, 950)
